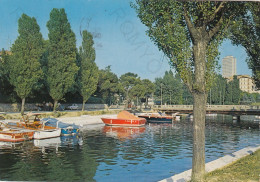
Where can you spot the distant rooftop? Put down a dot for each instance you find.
(7, 52)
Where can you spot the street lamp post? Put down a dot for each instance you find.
(170, 98)
(161, 94)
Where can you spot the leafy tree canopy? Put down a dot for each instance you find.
(88, 73)
(24, 65)
(62, 68)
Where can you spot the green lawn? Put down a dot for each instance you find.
(246, 169)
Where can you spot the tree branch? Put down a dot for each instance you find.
(216, 28)
(221, 5)
(188, 21)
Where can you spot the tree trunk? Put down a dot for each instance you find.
(140, 105)
(198, 159)
(55, 105)
(83, 105)
(199, 111)
(22, 107)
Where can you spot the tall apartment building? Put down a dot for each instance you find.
(229, 66)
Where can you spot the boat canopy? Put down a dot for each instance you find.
(53, 122)
(126, 115)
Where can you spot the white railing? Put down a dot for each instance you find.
(209, 107)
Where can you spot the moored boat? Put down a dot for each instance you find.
(41, 131)
(14, 135)
(66, 128)
(157, 118)
(124, 118)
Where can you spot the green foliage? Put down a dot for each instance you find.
(7, 93)
(88, 73)
(171, 87)
(23, 65)
(225, 92)
(128, 81)
(218, 93)
(61, 65)
(233, 92)
(149, 87)
(108, 85)
(246, 32)
(138, 91)
(247, 98)
(134, 87)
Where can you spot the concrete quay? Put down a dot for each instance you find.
(213, 165)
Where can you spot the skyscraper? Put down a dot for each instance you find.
(229, 66)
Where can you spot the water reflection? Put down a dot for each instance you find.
(105, 153)
(123, 133)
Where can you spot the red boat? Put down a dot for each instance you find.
(124, 118)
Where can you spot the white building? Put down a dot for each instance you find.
(229, 67)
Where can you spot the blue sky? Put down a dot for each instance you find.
(120, 38)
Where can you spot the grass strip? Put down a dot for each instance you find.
(246, 169)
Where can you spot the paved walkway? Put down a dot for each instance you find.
(213, 165)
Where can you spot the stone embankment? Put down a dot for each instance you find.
(214, 165)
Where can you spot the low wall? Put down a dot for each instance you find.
(16, 107)
(89, 106)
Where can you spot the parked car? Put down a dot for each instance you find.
(73, 107)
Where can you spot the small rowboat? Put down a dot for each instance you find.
(124, 118)
(14, 135)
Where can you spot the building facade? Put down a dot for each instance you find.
(229, 66)
(246, 84)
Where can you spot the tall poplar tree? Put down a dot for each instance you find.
(61, 64)
(24, 65)
(189, 34)
(88, 72)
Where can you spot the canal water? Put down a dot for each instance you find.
(104, 153)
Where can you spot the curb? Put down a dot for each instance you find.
(213, 165)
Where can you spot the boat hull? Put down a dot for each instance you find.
(157, 119)
(42, 134)
(16, 136)
(69, 132)
(124, 122)
(40, 131)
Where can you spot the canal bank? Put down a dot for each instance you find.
(214, 165)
